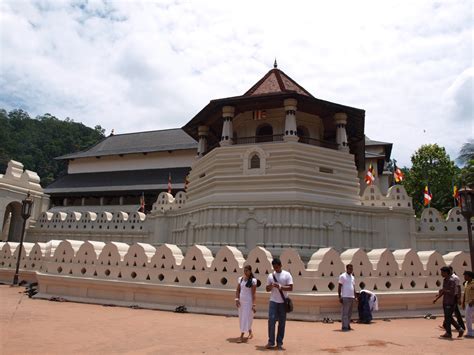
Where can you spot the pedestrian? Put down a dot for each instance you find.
(468, 301)
(347, 295)
(367, 303)
(245, 295)
(457, 311)
(448, 292)
(278, 283)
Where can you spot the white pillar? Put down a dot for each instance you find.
(203, 131)
(341, 136)
(290, 133)
(227, 131)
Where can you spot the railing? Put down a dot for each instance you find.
(279, 138)
(259, 139)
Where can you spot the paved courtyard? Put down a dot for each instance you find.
(46, 327)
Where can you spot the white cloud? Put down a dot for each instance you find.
(154, 64)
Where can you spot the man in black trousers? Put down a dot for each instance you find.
(448, 292)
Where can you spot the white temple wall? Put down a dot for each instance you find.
(164, 277)
(157, 160)
(14, 187)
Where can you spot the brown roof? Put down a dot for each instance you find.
(276, 81)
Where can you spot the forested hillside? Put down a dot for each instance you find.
(35, 142)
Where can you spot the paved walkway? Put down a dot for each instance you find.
(45, 327)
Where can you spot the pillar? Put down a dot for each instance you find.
(227, 131)
(341, 136)
(290, 133)
(203, 132)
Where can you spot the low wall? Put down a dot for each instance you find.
(164, 278)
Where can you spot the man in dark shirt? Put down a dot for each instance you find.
(448, 292)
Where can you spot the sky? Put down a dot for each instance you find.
(145, 65)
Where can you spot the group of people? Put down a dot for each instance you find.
(280, 282)
(453, 297)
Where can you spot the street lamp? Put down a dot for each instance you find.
(466, 197)
(26, 206)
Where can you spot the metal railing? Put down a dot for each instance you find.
(259, 139)
(279, 138)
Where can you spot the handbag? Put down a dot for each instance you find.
(287, 300)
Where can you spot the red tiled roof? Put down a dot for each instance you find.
(276, 81)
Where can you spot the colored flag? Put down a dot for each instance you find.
(369, 177)
(142, 203)
(259, 114)
(427, 196)
(186, 182)
(398, 175)
(169, 183)
(456, 195)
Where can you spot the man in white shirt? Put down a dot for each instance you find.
(278, 283)
(347, 295)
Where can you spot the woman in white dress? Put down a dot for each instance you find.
(245, 301)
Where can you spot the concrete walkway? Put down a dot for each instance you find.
(29, 326)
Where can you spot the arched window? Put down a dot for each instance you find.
(255, 162)
(264, 133)
(303, 134)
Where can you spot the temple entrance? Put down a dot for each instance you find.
(12, 222)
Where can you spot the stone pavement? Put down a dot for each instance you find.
(29, 326)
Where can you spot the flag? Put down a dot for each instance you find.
(456, 195)
(142, 203)
(369, 177)
(169, 183)
(427, 196)
(186, 182)
(398, 175)
(259, 114)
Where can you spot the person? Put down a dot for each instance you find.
(347, 295)
(457, 312)
(245, 301)
(468, 301)
(448, 292)
(278, 283)
(367, 304)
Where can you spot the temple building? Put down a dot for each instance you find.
(120, 169)
(275, 167)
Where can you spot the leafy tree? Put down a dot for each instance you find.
(432, 166)
(466, 157)
(36, 142)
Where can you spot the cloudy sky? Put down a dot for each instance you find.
(146, 65)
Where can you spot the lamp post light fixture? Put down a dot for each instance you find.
(26, 207)
(466, 197)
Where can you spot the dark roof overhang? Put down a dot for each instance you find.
(211, 116)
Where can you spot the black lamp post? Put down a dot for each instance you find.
(466, 197)
(26, 207)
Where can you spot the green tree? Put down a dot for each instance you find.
(431, 166)
(466, 157)
(36, 142)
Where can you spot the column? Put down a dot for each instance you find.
(227, 131)
(290, 133)
(203, 132)
(341, 136)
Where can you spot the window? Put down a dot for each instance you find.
(303, 134)
(255, 162)
(264, 133)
